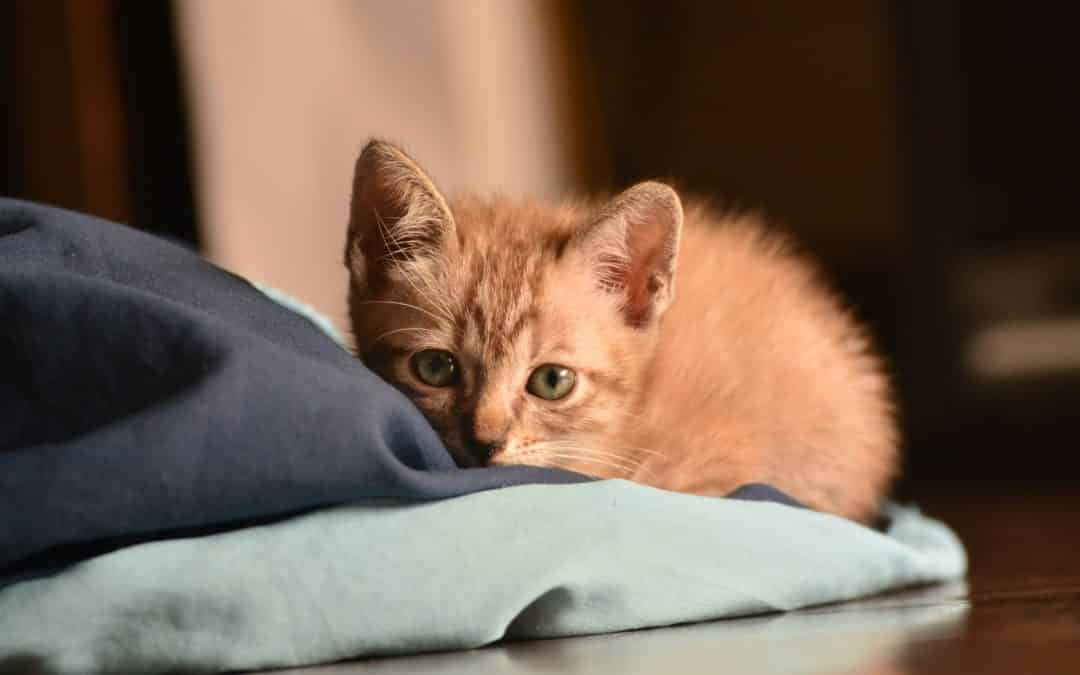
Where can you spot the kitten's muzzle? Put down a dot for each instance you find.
(482, 450)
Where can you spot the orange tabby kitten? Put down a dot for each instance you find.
(639, 338)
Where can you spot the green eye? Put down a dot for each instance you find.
(551, 381)
(435, 367)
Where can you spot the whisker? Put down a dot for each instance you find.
(629, 465)
(402, 304)
(396, 250)
(611, 459)
(621, 451)
(584, 458)
(646, 451)
(402, 330)
(576, 456)
(590, 451)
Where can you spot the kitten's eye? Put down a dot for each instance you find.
(551, 381)
(435, 367)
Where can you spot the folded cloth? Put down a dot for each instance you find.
(146, 393)
(390, 577)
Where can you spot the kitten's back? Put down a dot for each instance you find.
(761, 375)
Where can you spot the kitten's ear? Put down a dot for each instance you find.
(632, 249)
(397, 219)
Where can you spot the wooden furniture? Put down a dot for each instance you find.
(93, 116)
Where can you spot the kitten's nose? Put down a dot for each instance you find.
(482, 450)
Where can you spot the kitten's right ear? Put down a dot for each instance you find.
(632, 250)
(397, 218)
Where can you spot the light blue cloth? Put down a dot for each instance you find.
(392, 578)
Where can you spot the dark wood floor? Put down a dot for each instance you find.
(1024, 586)
(1019, 612)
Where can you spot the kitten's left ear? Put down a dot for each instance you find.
(632, 249)
(398, 218)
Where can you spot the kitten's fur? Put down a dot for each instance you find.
(751, 372)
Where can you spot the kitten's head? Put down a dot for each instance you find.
(521, 331)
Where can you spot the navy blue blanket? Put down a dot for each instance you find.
(145, 393)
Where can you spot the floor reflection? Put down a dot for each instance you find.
(866, 637)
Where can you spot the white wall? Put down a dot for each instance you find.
(285, 93)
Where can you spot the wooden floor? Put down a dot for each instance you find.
(1019, 612)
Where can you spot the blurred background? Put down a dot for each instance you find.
(926, 152)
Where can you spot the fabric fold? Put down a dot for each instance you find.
(534, 561)
(147, 393)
